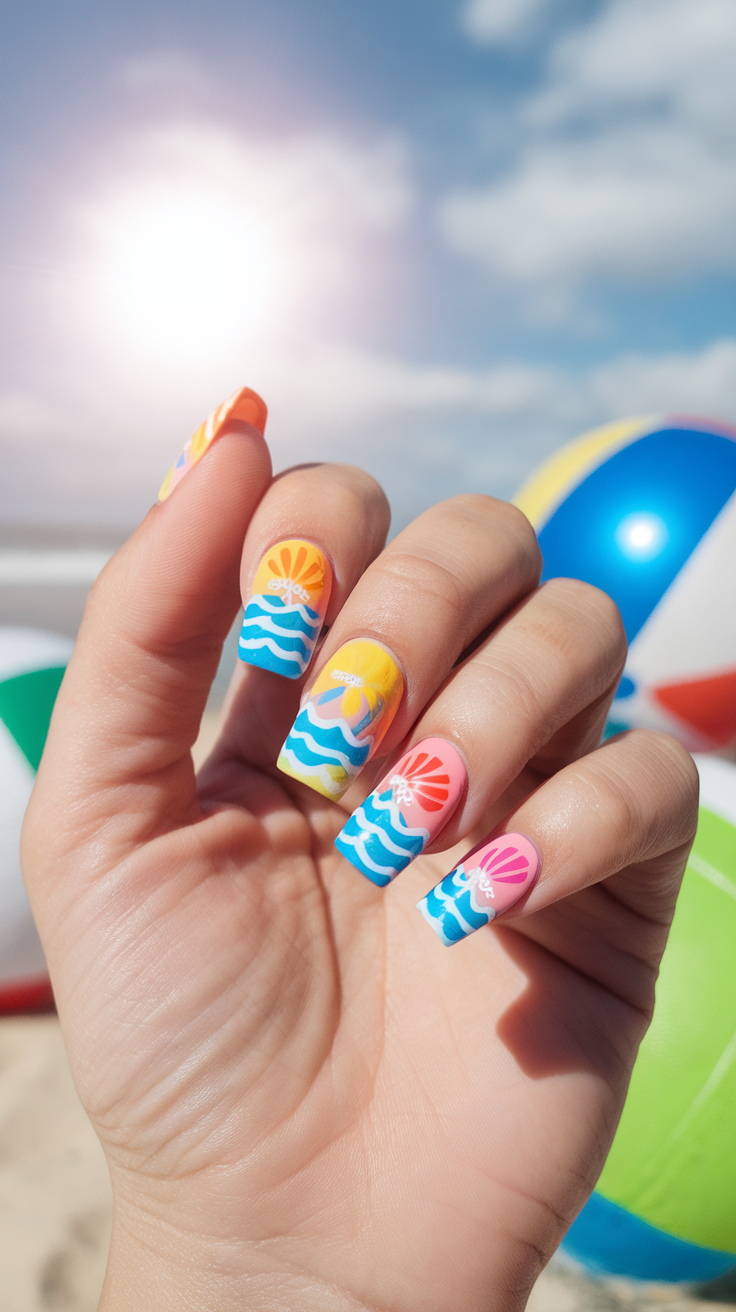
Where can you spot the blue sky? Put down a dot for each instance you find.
(440, 237)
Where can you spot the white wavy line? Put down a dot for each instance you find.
(253, 644)
(399, 824)
(452, 906)
(434, 923)
(305, 772)
(347, 732)
(320, 749)
(370, 827)
(265, 622)
(358, 842)
(269, 604)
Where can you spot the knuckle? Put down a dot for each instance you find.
(584, 602)
(410, 574)
(476, 517)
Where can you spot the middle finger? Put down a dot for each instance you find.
(535, 691)
(443, 581)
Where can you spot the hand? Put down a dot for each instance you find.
(305, 1099)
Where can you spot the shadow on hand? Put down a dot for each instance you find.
(564, 1022)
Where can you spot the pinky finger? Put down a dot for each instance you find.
(594, 856)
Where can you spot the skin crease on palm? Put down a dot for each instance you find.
(306, 1101)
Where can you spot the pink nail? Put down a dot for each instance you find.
(488, 881)
(406, 812)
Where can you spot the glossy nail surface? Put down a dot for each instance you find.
(244, 407)
(286, 608)
(405, 812)
(345, 715)
(490, 879)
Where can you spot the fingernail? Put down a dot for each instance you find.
(344, 717)
(286, 609)
(244, 407)
(490, 879)
(405, 812)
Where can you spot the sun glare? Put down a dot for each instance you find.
(186, 273)
(642, 536)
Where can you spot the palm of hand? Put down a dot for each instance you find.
(291, 1077)
(308, 1065)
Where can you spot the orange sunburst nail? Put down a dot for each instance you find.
(286, 608)
(243, 407)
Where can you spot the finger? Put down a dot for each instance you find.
(310, 540)
(625, 814)
(130, 706)
(342, 514)
(546, 673)
(452, 573)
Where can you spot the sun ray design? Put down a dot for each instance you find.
(286, 608)
(487, 883)
(417, 778)
(505, 866)
(295, 575)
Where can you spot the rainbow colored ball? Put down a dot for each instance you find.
(31, 668)
(665, 1206)
(645, 509)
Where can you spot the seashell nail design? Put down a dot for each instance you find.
(488, 881)
(405, 812)
(286, 608)
(345, 716)
(243, 407)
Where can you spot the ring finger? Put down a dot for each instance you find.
(543, 676)
(452, 574)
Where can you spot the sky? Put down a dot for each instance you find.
(440, 237)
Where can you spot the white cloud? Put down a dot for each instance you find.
(672, 55)
(24, 417)
(495, 22)
(630, 169)
(335, 389)
(426, 430)
(340, 389)
(700, 382)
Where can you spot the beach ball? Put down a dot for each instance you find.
(646, 510)
(664, 1208)
(31, 668)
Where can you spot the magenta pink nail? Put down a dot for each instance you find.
(488, 881)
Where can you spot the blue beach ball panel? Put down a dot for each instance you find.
(677, 477)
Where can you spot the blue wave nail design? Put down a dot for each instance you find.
(278, 637)
(377, 839)
(323, 753)
(448, 908)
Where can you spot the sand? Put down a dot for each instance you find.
(55, 1204)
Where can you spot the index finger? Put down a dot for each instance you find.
(131, 702)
